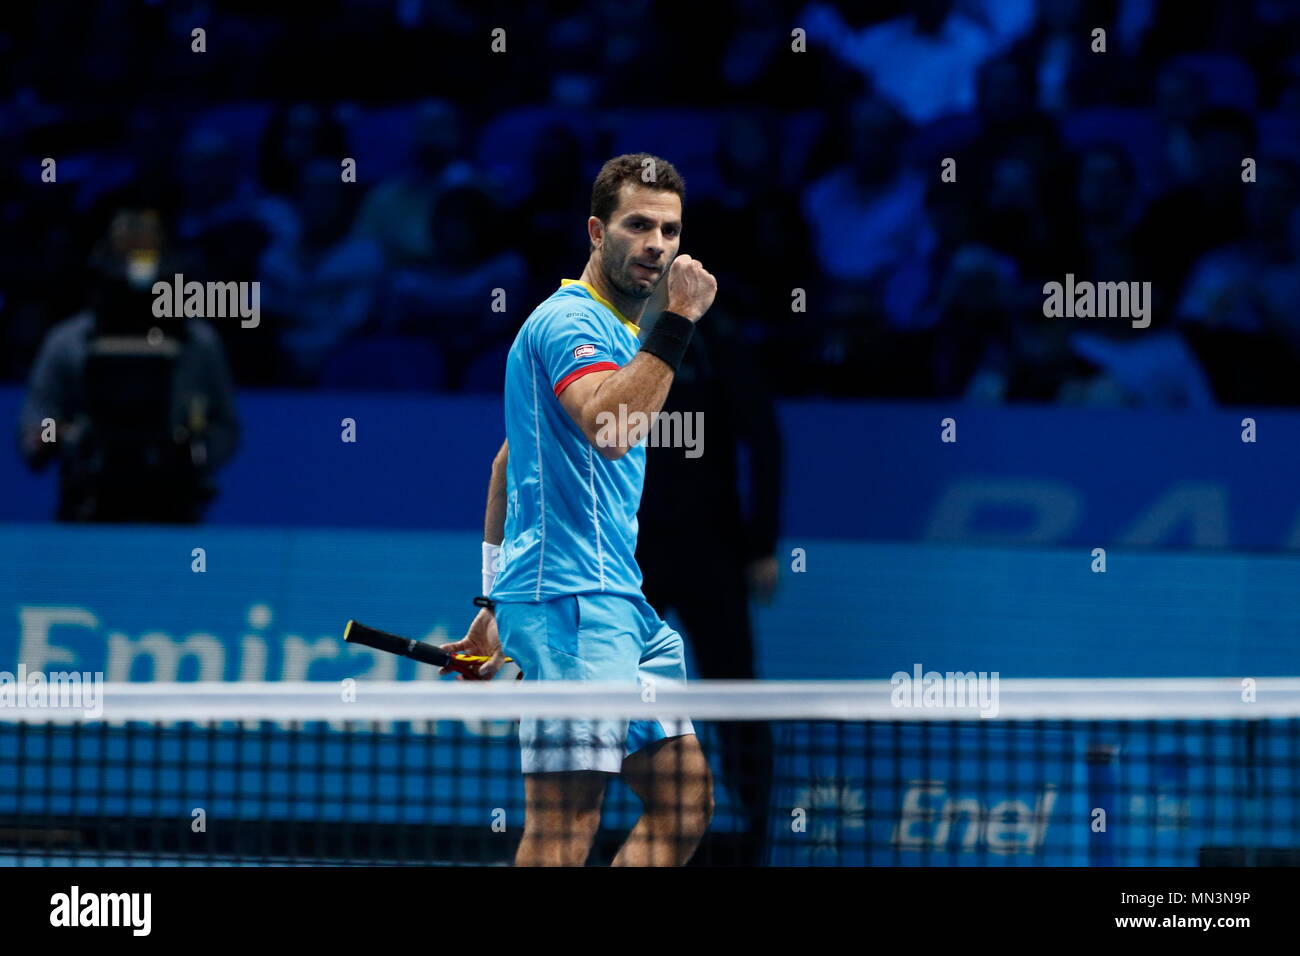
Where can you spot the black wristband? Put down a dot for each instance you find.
(669, 338)
(486, 602)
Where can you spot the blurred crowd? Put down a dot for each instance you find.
(816, 171)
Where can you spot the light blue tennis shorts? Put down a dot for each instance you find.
(591, 637)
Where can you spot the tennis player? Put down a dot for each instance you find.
(561, 527)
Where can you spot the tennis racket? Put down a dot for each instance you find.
(466, 664)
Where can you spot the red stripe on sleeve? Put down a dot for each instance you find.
(573, 376)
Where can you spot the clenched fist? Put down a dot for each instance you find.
(690, 288)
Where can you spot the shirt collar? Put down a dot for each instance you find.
(627, 323)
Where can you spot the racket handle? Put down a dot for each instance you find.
(357, 633)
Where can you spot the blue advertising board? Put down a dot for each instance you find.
(136, 604)
(271, 605)
(1020, 794)
(1037, 476)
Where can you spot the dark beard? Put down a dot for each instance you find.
(616, 276)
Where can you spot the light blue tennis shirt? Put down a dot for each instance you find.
(570, 513)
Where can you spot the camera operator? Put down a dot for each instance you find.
(139, 410)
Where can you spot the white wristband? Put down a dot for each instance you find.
(491, 565)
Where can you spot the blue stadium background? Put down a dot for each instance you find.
(816, 171)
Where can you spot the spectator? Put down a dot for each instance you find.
(1224, 288)
(296, 135)
(1138, 368)
(452, 297)
(557, 196)
(923, 62)
(398, 211)
(1024, 179)
(1204, 211)
(1236, 294)
(776, 255)
(1057, 54)
(214, 197)
(1279, 291)
(1108, 216)
(867, 220)
(867, 215)
(319, 283)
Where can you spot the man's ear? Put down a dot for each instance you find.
(595, 230)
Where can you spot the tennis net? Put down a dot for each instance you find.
(1050, 772)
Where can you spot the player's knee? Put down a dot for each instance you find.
(702, 812)
(688, 825)
(559, 820)
(695, 804)
(584, 824)
(698, 779)
(559, 838)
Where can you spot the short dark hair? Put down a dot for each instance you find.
(634, 168)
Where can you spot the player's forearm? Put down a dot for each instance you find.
(616, 410)
(640, 386)
(494, 521)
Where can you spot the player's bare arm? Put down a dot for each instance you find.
(494, 520)
(641, 385)
(482, 637)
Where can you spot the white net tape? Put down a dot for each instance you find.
(959, 699)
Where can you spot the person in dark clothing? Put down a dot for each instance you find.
(1204, 213)
(138, 409)
(703, 552)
